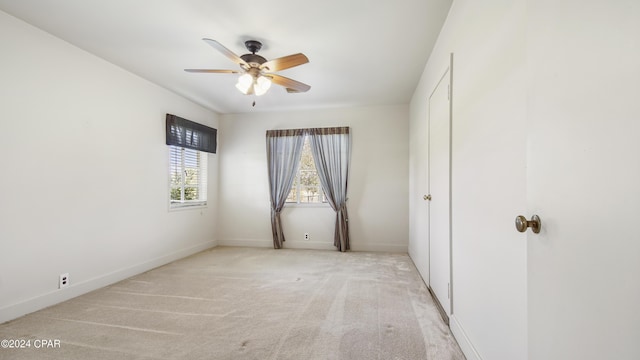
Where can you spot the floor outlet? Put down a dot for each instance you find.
(63, 281)
(306, 236)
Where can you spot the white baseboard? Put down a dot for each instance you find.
(39, 302)
(259, 243)
(461, 337)
(268, 243)
(315, 245)
(311, 245)
(381, 247)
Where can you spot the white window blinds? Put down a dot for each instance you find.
(188, 172)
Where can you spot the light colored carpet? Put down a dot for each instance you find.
(245, 303)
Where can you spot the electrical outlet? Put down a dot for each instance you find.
(63, 281)
(306, 236)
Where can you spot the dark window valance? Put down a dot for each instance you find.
(191, 135)
(329, 131)
(286, 132)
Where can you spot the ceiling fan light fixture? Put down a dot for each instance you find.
(244, 84)
(262, 85)
(259, 91)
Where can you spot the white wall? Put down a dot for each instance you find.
(488, 173)
(544, 107)
(84, 172)
(378, 180)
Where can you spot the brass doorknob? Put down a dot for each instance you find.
(427, 197)
(522, 223)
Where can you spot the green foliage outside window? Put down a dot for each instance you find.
(307, 183)
(190, 192)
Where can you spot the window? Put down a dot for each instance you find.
(306, 187)
(188, 183)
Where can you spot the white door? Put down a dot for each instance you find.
(489, 142)
(584, 180)
(439, 189)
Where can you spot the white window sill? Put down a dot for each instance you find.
(187, 206)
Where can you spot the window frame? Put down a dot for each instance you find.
(183, 204)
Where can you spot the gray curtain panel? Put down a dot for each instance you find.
(283, 156)
(331, 153)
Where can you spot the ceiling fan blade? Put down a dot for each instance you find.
(212, 71)
(290, 84)
(226, 52)
(285, 62)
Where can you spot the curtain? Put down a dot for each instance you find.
(331, 153)
(283, 156)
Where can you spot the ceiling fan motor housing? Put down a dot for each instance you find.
(253, 45)
(253, 59)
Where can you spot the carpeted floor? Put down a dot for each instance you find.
(245, 303)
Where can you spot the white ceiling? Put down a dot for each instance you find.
(361, 52)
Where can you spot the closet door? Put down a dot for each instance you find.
(440, 193)
(488, 187)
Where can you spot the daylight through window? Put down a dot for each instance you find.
(188, 171)
(306, 187)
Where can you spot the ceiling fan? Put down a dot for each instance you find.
(257, 72)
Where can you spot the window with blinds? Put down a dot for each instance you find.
(188, 183)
